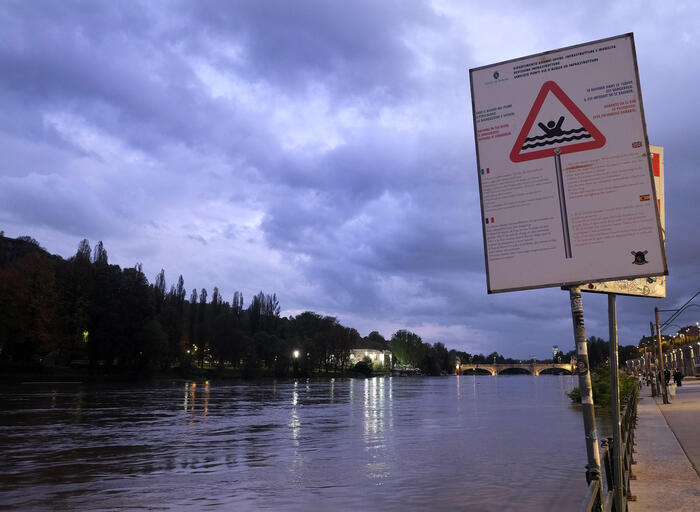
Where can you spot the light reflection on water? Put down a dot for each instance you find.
(470, 442)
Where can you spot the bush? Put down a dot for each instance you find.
(363, 368)
(600, 382)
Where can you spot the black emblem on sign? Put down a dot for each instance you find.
(639, 257)
(496, 75)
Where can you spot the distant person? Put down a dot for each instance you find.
(678, 377)
(667, 376)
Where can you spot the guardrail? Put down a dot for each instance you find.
(600, 498)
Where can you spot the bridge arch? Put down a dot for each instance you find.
(478, 371)
(515, 370)
(554, 371)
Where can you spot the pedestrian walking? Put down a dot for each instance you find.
(678, 377)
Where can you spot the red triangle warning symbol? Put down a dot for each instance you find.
(563, 126)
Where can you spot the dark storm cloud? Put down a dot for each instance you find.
(355, 48)
(323, 148)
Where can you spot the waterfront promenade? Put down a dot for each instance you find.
(668, 452)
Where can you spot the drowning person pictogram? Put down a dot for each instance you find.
(554, 134)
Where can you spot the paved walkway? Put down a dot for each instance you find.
(668, 439)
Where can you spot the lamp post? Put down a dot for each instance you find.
(659, 327)
(662, 375)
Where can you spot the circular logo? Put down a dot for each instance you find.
(496, 75)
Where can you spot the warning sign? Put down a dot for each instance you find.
(563, 167)
(571, 132)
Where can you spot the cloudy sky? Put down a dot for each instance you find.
(319, 150)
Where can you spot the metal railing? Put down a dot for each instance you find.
(599, 497)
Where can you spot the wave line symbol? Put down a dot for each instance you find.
(555, 141)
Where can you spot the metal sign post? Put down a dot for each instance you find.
(615, 405)
(584, 385)
(562, 202)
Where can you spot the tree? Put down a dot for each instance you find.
(377, 341)
(442, 357)
(237, 305)
(159, 290)
(29, 240)
(347, 338)
(99, 255)
(627, 352)
(203, 328)
(83, 250)
(406, 346)
(136, 308)
(104, 321)
(28, 316)
(598, 351)
(495, 357)
(192, 328)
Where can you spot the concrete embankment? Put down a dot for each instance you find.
(668, 452)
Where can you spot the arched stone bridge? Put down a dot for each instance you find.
(531, 368)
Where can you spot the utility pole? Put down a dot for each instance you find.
(661, 357)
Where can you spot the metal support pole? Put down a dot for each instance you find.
(661, 357)
(584, 385)
(562, 203)
(619, 493)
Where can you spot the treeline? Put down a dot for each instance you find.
(86, 310)
(599, 352)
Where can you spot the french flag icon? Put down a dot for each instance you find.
(489, 220)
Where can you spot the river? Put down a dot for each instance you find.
(476, 443)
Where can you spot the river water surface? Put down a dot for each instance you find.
(447, 443)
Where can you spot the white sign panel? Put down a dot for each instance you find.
(654, 287)
(564, 175)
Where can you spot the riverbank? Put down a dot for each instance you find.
(667, 452)
(38, 373)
